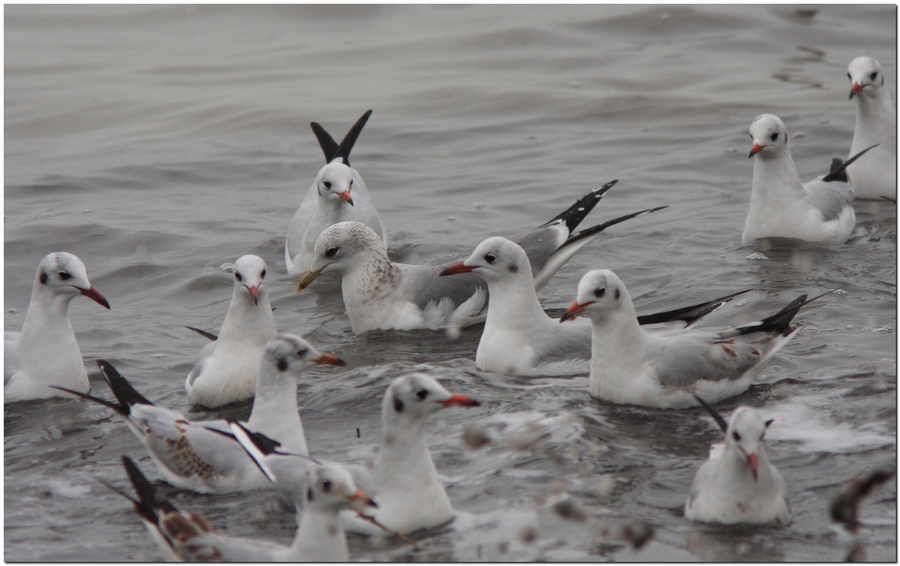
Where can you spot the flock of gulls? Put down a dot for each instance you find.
(656, 360)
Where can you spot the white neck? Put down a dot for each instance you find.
(248, 321)
(320, 537)
(276, 413)
(513, 303)
(404, 459)
(617, 352)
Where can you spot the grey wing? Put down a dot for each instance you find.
(830, 199)
(364, 211)
(10, 355)
(300, 222)
(680, 361)
(205, 353)
(569, 341)
(539, 244)
(426, 285)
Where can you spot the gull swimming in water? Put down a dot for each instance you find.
(226, 369)
(781, 206)
(519, 338)
(190, 456)
(630, 366)
(320, 492)
(45, 353)
(337, 195)
(381, 294)
(876, 124)
(738, 484)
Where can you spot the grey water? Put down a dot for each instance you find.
(158, 143)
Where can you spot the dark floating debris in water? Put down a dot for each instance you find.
(845, 506)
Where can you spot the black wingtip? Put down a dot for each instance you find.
(147, 502)
(690, 314)
(326, 142)
(346, 146)
(593, 230)
(715, 414)
(115, 407)
(780, 322)
(262, 442)
(838, 168)
(573, 215)
(121, 389)
(203, 333)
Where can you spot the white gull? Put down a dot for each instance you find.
(320, 492)
(338, 194)
(381, 294)
(781, 206)
(190, 456)
(876, 123)
(45, 352)
(738, 484)
(630, 366)
(226, 369)
(519, 338)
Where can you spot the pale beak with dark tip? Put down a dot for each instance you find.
(574, 310)
(94, 295)
(756, 149)
(361, 498)
(458, 268)
(254, 292)
(856, 89)
(460, 401)
(307, 279)
(330, 360)
(346, 196)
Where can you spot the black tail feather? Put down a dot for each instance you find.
(715, 414)
(573, 215)
(204, 333)
(123, 391)
(594, 230)
(688, 314)
(838, 169)
(331, 149)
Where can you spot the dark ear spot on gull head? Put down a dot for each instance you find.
(618, 294)
(398, 405)
(513, 268)
(281, 363)
(309, 494)
(768, 422)
(43, 277)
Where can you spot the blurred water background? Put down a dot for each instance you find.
(159, 142)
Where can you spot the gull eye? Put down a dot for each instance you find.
(301, 353)
(331, 252)
(599, 292)
(849, 77)
(490, 258)
(326, 486)
(774, 136)
(421, 394)
(351, 183)
(736, 435)
(263, 274)
(874, 75)
(238, 276)
(327, 184)
(64, 275)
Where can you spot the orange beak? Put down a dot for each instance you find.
(756, 149)
(361, 497)
(254, 292)
(330, 360)
(95, 295)
(856, 89)
(752, 462)
(456, 269)
(574, 310)
(346, 196)
(460, 401)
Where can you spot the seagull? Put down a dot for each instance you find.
(876, 124)
(781, 206)
(190, 456)
(630, 366)
(337, 195)
(407, 487)
(184, 536)
(226, 369)
(381, 294)
(738, 484)
(46, 353)
(519, 338)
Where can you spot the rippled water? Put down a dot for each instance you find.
(157, 143)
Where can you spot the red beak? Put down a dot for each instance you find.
(330, 360)
(752, 462)
(457, 268)
(460, 401)
(755, 149)
(574, 310)
(95, 295)
(254, 292)
(855, 89)
(346, 196)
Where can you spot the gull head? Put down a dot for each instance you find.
(865, 76)
(745, 435)
(331, 488)
(601, 294)
(416, 396)
(342, 246)
(334, 183)
(63, 274)
(769, 135)
(495, 259)
(249, 277)
(288, 355)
